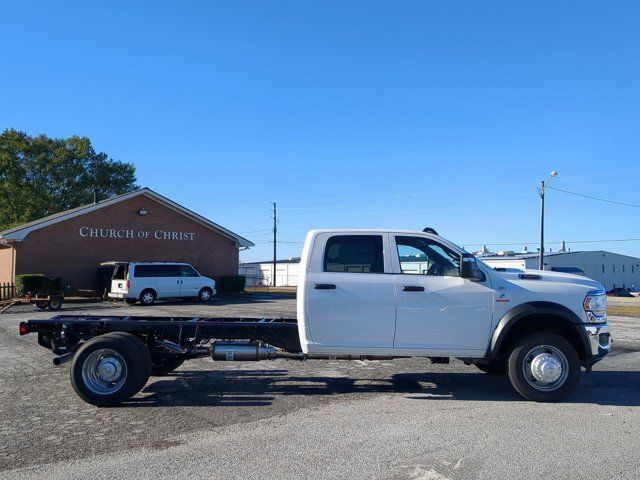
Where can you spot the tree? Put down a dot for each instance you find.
(40, 176)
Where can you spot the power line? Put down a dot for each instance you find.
(594, 198)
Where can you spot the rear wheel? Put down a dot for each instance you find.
(544, 367)
(110, 369)
(147, 297)
(42, 305)
(163, 367)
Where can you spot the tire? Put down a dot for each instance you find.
(554, 356)
(494, 367)
(42, 305)
(205, 294)
(165, 367)
(131, 301)
(110, 369)
(147, 297)
(55, 304)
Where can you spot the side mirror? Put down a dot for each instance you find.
(469, 268)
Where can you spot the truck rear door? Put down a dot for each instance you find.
(350, 299)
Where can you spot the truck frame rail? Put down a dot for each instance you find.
(63, 333)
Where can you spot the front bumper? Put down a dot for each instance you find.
(597, 342)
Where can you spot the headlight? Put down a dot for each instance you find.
(595, 304)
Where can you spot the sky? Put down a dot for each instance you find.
(349, 113)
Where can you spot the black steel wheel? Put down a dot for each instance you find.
(42, 305)
(55, 303)
(110, 369)
(544, 367)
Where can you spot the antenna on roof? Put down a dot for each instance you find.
(430, 230)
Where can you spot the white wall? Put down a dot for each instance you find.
(262, 274)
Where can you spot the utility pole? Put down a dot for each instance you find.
(543, 186)
(275, 242)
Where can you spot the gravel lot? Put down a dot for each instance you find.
(405, 419)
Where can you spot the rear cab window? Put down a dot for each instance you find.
(354, 254)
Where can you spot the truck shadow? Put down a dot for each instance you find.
(264, 387)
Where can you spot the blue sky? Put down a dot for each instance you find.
(348, 114)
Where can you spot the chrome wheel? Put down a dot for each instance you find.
(104, 372)
(147, 298)
(545, 368)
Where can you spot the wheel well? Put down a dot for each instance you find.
(535, 322)
(155, 294)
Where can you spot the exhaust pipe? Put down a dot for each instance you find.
(242, 352)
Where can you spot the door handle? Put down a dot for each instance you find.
(412, 288)
(324, 286)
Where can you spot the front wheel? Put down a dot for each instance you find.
(205, 294)
(544, 367)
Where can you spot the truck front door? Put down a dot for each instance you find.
(350, 294)
(437, 309)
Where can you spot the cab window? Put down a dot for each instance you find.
(354, 254)
(422, 256)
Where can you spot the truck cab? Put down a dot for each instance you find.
(404, 293)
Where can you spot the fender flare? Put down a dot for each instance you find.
(516, 314)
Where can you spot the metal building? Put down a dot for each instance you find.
(611, 269)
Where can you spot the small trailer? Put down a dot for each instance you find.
(42, 301)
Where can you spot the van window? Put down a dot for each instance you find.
(188, 271)
(354, 254)
(145, 271)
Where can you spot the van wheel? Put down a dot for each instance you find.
(205, 294)
(494, 367)
(544, 367)
(164, 367)
(147, 297)
(110, 369)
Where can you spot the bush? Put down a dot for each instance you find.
(36, 282)
(231, 283)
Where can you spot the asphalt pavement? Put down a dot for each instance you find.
(402, 419)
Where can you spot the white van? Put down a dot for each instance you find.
(147, 281)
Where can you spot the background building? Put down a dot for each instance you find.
(137, 226)
(261, 273)
(611, 269)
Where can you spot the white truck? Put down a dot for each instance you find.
(364, 294)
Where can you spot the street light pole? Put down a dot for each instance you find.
(543, 186)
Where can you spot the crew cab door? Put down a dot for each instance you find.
(350, 298)
(437, 309)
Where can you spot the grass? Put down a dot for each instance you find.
(624, 310)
